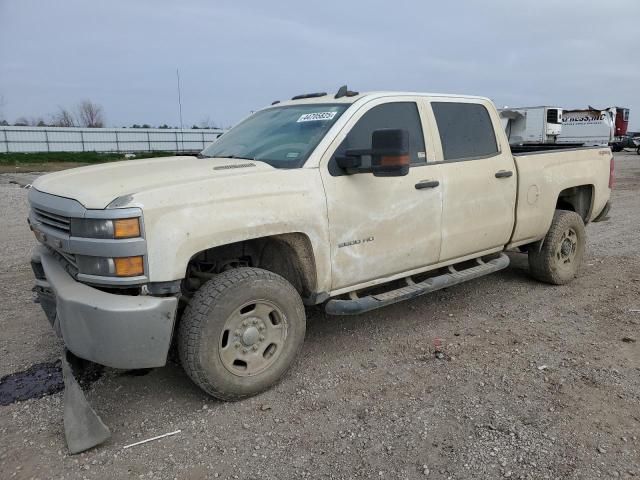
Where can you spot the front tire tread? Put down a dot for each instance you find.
(197, 314)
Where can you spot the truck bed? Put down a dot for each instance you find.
(543, 176)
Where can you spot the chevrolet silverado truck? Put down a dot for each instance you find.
(353, 201)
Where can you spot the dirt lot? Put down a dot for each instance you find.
(540, 383)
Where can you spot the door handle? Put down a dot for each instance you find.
(504, 174)
(427, 184)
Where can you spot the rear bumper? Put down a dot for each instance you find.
(603, 215)
(118, 331)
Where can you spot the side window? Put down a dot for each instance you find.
(401, 115)
(465, 130)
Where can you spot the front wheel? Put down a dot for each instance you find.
(558, 260)
(241, 332)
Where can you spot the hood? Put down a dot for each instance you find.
(97, 186)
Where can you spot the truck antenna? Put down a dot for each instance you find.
(343, 91)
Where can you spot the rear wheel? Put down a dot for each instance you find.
(558, 260)
(241, 332)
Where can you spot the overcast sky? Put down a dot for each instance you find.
(238, 56)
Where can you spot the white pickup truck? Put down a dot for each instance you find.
(353, 200)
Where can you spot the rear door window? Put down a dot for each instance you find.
(466, 131)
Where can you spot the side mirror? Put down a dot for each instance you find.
(390, 152)
(389, 155)
(349, 161)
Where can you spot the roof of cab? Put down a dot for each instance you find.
(330, 98)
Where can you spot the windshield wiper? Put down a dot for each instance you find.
(232, 156)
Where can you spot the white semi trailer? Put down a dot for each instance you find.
(532, 125)
(593, 127)
(553, 127)
(589, 127)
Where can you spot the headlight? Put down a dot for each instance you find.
(99, 228)
(111, 267)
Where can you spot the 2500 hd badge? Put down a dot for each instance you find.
(355, 242)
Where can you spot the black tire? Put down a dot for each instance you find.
(559, 259)
(222, 302)
(638, 150)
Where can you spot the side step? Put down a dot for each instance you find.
(358, 305)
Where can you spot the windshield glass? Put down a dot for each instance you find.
(283, 137)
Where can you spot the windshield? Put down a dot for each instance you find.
(283, 137)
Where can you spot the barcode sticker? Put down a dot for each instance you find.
(316, 117)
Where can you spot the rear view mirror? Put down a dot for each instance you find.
(390, 152)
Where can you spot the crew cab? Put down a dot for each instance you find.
(353, 201)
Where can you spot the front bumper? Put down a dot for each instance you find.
(118, 331)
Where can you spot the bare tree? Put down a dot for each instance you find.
(63, 118)
(90, 114)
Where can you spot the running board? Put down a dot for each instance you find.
(357, 305)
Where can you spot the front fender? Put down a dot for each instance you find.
(224, 214)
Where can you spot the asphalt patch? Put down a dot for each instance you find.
(40, 380)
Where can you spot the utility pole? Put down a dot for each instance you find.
(180, 108)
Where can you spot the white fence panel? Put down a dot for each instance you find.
(124, 140)
(61, 140)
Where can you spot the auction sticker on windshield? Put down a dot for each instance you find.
(316, 117)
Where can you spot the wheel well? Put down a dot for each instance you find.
(576, 199)
(289, 255)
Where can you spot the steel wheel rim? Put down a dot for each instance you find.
(253, 338)
(567, 248)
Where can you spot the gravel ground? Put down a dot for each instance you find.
(538, 382)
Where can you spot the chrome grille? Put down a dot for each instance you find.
(53, 220)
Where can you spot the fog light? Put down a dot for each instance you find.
(129, 266)
(95, 265)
